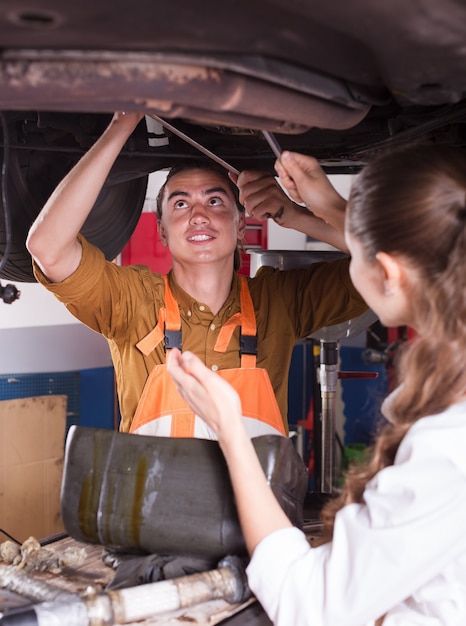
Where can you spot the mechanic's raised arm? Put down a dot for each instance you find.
(322, 219)
(52, 239)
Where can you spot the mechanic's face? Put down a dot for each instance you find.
(200, 220)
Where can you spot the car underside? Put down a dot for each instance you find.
(341, 81)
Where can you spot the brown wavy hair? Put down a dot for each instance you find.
(209, 166)
(412, 203)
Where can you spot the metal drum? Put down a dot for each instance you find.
(161, 495)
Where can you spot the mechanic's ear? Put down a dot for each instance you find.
(162, 234)
(241, 226)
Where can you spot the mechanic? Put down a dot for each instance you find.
(202, 304)
(396, 546)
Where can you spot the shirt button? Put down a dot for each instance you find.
(189, 314)
(212, 327)
(202, 307)
(214, 368)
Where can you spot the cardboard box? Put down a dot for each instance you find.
(32, 432)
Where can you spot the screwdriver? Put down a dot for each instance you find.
(194, 143)
(273, 143)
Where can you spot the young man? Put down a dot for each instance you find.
(244, 328)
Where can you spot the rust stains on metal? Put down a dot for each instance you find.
(75, 67)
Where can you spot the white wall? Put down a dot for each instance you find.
(54, 348)
(156, 180)
(36, 307)
(38, 334)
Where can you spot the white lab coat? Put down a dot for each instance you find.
(402, 553)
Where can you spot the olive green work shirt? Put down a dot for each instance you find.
(122, 303)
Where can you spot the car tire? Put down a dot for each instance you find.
(32, 177)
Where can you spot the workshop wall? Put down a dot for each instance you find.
(46, 351)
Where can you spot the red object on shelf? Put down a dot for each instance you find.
(255, 238)
(400, 334)
(145, 247)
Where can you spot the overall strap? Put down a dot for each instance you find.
(172, 329)
(168, 325)
(246, 319)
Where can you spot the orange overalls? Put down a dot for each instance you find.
(162, 412)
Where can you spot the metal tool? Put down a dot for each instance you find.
(195, 144)
(273, 143)
(329, 338)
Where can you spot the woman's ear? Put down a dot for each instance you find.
(393, 272)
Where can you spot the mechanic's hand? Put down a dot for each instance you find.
(263, 198)
(207, 394)
(306, 182)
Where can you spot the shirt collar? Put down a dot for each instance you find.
(188, 303)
